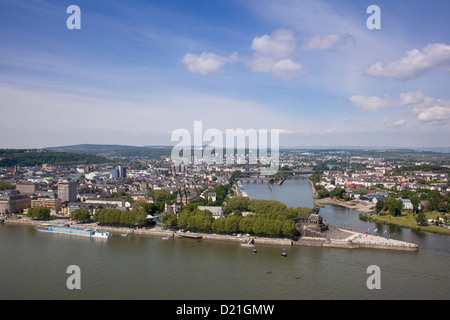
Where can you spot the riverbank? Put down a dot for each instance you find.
(359, 205)
(406, 222)
(315, 195)
(339, 238)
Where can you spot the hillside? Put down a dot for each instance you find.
(116, 150)
(32, 157)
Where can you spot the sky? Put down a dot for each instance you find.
(137, 71)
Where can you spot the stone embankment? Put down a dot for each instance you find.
(359, 240)
(354, 240)
(351, 240)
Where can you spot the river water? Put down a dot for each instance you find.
(34, 264)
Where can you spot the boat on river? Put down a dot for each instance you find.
(73, 231)
(248, 244)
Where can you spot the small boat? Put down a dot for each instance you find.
(284, 254)
(126, 234)
(101, 234)
(248, 244)
(254, 250)
(165, 238)
(191, 235)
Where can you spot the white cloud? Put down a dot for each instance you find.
(399, 123)
(327, 42)
(273, 53)
(435, 113)
(280, 44)
(429, 110)
(371, 104)
(414, 64)
(410, 98)
(207, 62)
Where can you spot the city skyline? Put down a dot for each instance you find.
(136, 72)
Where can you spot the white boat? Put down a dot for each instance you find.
(101, 234)
(248, 244)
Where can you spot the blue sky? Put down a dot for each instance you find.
(138, 70)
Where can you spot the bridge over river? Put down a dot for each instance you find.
(249, 176)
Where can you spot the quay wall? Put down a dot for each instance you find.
(388, 247)
(330, 243)
(352, 242)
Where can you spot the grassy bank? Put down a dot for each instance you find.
(406, 221)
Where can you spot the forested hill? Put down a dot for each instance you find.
(152, 152)
(32, 157)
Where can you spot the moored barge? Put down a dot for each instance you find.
(74, 231)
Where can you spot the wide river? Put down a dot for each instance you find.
(34, 264)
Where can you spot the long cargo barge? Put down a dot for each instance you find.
(74, 231)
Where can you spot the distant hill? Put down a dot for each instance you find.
(157, 152)
(33, 157)
(106, 150)
(385, 148)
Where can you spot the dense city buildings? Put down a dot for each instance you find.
(366, 177)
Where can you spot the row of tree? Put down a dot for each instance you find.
(81, 215)
(266, 217)
(393, 205)
(22, 157)
(271, 208)
(40, 213)
(116, 217)
(255, 224)
(434, 202)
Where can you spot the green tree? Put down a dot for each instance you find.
(379, 206)
(289, 229)
(246, 224)
(414, 198)
(267, 206)
(170, 220)
(337, 193)
(421, 219)
(395, 206)
(81, 215)
(232, 223)
(39, 213)
(218, 225)
(236, 205)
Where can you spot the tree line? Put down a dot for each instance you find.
(136, 217)
(116, 217)
(265, 218)
(21, 157)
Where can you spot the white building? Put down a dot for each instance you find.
(217, 212)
